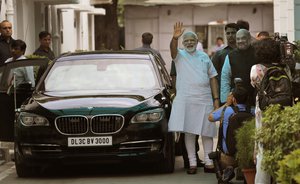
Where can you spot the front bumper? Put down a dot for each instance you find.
(49, 154)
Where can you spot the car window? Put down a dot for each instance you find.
(22, 75)
(102, 74)
(165, 75)
(25, 71)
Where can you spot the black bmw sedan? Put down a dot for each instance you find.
(92, 108)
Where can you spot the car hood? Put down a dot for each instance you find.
(125, 99)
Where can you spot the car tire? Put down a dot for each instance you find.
(23, 170)
(168, 161)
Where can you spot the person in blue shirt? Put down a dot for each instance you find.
(236, 99)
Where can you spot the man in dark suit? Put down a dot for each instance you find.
(5, 40)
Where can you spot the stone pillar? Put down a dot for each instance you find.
(55, 31)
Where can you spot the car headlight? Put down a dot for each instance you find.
(29, 119)
(151, 116)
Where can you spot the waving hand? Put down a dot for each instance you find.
(178, 30)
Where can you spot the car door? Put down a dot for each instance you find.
(168, 91)
(12, 96)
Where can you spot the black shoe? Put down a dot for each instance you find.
(192, 170)
(200, 163)
(209, 170)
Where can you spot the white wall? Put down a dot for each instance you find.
(168, 15)
(284, 18)
(262, 20)
(146, 21)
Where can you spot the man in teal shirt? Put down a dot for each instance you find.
(238, 64)
(219, 57)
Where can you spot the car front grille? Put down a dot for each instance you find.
(75, 125)
(106, 124)
(79, 125)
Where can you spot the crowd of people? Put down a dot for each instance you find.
(6, 41)
(205, 87)
(14, 49)
(207, 91)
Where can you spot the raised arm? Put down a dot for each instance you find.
(174, 42)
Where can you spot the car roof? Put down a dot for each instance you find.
(134, 54)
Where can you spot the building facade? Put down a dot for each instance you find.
(206, 18)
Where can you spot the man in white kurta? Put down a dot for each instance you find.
(196, 95)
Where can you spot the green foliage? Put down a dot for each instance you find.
(289, 168)
(279, 135)
(245, 144)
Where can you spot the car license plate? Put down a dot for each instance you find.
(89, 141)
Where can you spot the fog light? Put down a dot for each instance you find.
(27, 151)
(155, 147)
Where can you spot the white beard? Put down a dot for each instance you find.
(190, 50)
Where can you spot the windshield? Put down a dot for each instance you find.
(101, 74)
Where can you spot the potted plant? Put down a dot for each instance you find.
(289, 168)
(245, 148)
(279, 135)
